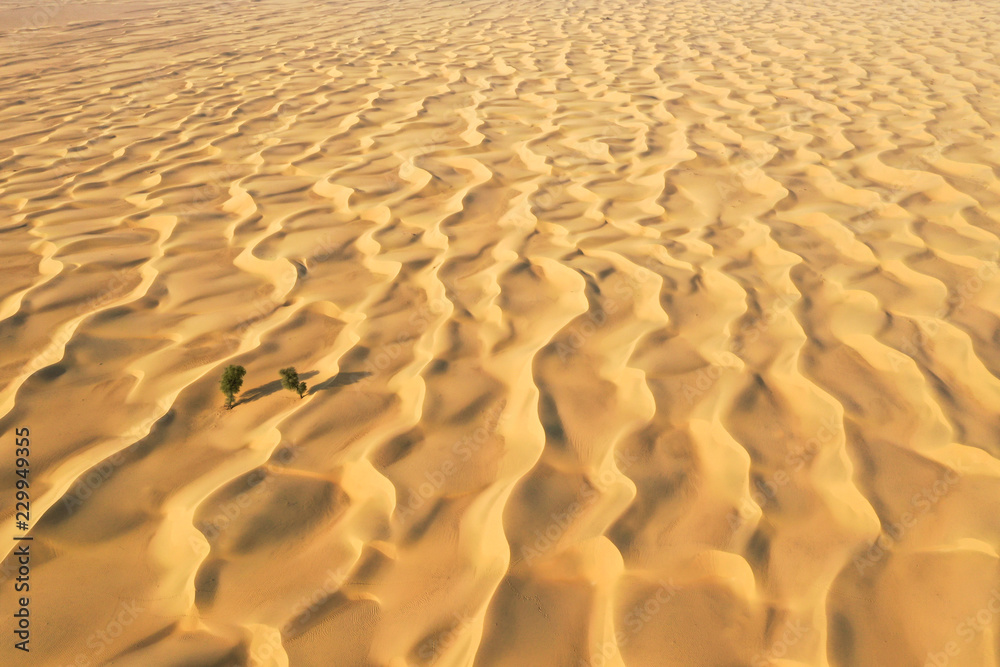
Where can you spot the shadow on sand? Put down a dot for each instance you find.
(267, 389)
(340, 380)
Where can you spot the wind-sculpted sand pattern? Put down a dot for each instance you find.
(647, 333)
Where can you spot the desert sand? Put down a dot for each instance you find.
(646, 333)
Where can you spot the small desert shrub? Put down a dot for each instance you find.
(232, 381)
(290, 381)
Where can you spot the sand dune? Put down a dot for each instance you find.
(638, 332)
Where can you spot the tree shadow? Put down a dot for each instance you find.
(263, 390)
(340, 380)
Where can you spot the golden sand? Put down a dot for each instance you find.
(637, 332)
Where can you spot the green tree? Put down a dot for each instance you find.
(232, 381)
(290, 381)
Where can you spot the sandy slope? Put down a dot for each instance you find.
(639, 332)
